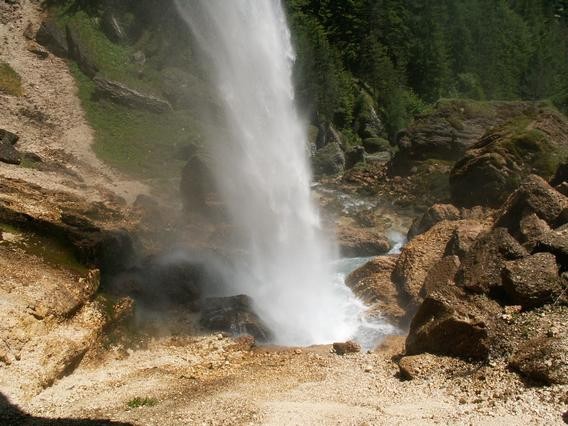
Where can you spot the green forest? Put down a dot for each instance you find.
(407, 54)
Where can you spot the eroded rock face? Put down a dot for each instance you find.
(234, 315)
(532, 281)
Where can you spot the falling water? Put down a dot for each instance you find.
(263, 174)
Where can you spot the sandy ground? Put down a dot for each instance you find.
(209, 381)
(49, 119)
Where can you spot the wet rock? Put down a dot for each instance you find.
(372, 283)
(361, 242)
(78, 51)
(329, 160)
(482, 265)
(53, 38)
(532, 281)
(122, 94)
(543, 359)
(536, 196)
(234, 315)
(435, 214)
(349, 347)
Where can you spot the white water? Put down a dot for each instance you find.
(264, 177)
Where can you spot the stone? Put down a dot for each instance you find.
(354, 156)
(482, 265)
(112, 27)
(361, 242)
(39, 52)
(418, 366)
(8, 137)
(235, 315)
(53, 38)
(532, 229)
(372, 284)
(197, 183)
(435, 214)
(561, 175)
(9, 154)
(121, 94)
(327, 134)
(419, 256)
(543, 360)
(532, 281)
(329, 160)
(442, 273)
(349, 347)
(463, 238)
(534, 195)
(78, 52)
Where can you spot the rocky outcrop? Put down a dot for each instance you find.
(124, 95)
(372, 283)
(329, 160)
(53, 38)
(234, 315)
(361, 242)
(452, 128)
(494, 166)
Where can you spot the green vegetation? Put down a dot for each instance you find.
(10, 81)
(138, 402)
(408, 54)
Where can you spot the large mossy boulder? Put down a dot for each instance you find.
(329, 160)
(494, 166)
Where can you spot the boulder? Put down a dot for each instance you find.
(376, 145)
(534, 195)
(9, 154)
(354, 155)
(464, 236)
(53, 38)
(329, 160)
(532, 230)
(367, 123)
(443, 273)
(234, 315)
(7, 137)
(196, 183)
(435, 214)
(495, 166)
(532, 281)
(327, 134)
(124, 95)
(543, 360)
(482, 265)
(418, 366)
(561, 175)
(373, 285)
(361, 242)
(78, 52)
(419, 256)
(555, 242)
(349, 347)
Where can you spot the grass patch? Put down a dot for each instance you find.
(10, 80)
(138, 402)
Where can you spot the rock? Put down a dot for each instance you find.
(329, 160)
(536, 196)
(185, 90)
(555, 242)
(9, 154)
(29, 32)
(418, 256)
(494, 167)
(449, 322)
(354, 156)
(361, 242)
(543, 359)
(435, 214)
(235, 315)
(482, 265)
(349, 347)
(418, 366)
(561, 175)
(122, 94)
(8, 138)
(39, 52)
(327, 134)
(463, 238)
(78, 52)
(367, 123)
(112, 27)
(532, 229)
(443, 273)
(197, 183)
(372, 284)
(376, 145)
(532, 281)
(53, 38)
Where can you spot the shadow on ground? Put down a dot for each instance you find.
(13, 416)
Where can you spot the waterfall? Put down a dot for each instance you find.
(262, 172)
